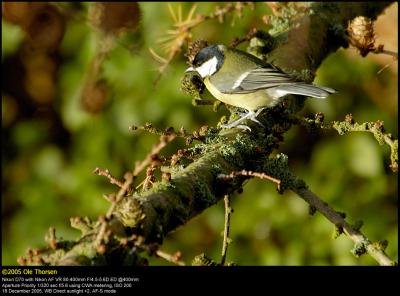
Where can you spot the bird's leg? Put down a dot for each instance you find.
(253, 116)
(237, 122)
(250, 114)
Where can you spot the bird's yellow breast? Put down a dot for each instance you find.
(249, 101)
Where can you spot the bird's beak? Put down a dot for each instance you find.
(190, 69)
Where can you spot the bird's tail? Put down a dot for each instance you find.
(309, 90)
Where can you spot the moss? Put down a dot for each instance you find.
(161, 187)
(130, 211)
(381, 245)
(176, 169)
(342, 127)
(203, 195)
(278, 167)
(212, 136)
(359, 249)
(380, 137)
(198, 149)
(84, 225)
(216, 169)
(203, 260)
(192, 85)
(261, 44)
(240, 151)
(283, 22)
(337, 231)
(395, 151)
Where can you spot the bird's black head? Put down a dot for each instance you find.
(209, 60)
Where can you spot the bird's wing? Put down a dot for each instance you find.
(269, 78)
(260, 78)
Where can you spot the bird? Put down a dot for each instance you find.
(242, 80)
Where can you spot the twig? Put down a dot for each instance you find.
(106, 173)
(175, 39)
(102, 231)
(52, 239)
(251, 174)
(150, 178)
(189, 137)
(121, 193)
(380, 49)
(226, 241)
(104, 220)
(164, 140)
(349, 125)
(362, 243)
(235, 42)
(153, 130)
(279, 167)
(377, 129)
(175, 258)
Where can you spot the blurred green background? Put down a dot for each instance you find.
(53, 137)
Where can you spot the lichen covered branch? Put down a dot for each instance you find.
(362, 243)
(279, 168)
(349, 125)
(377, 129)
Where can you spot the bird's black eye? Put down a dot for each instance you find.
(196, 62)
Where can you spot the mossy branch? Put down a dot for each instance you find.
(377, 129)
(349, 125)
(278, 167)
(140, 221)
(362, 243)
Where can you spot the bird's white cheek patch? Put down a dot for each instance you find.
(208, 68)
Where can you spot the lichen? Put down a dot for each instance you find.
(381, 245)
(261, 44)
(359, 248)
(278, 167)
(129, 211)
(203, 260)
(203, 195)
(192, 85)
(337, 231)
(240, 151)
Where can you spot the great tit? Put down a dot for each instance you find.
(243, 80)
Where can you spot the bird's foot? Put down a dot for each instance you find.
(236, 125)
(251, 115)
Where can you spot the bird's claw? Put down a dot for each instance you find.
(251, 115)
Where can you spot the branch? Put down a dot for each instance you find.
(226, 241)
(362, 243)
(278, 167)
(251, 174)
(175, 258)
(377, 129)
(349, 125)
